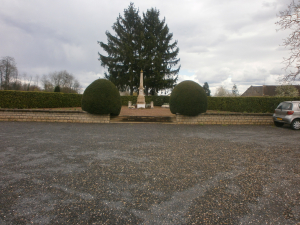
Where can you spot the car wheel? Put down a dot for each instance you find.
(277, 124)
(295, 125)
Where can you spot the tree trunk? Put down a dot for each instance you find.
(131, 90)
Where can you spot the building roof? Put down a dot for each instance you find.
(264, 90)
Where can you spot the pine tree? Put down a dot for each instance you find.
(159, 53)
(206, 89)
(140, 44)
(235, 91)
(124, 50)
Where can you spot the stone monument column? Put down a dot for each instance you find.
(141, 97)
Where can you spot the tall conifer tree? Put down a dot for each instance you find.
(140, 44)
(124, 50)
(206, 88)
(159, 53)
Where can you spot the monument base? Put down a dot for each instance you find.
(140, 105)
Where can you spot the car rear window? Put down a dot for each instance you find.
(285, 106)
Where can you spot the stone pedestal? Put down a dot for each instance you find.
(141, 103)
(130, 106)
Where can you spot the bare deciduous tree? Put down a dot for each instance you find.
(9, 79)
(222, 92)
(290, 19)
(63, 79)
(47, 85)
(286, 90)
(8, 72)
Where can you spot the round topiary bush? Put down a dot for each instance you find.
(188, 98)
(101, 97)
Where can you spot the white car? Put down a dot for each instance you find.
(287, 113)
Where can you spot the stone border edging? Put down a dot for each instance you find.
(227, 119)
(72, 116)
(64, 116)
(42, 110)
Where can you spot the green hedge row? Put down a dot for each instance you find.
(231, 104)
(26, 99)
(157, 100)
(247, 104)
(126, 99)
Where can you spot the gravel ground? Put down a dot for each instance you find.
(58, 173)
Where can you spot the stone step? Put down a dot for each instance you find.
(143, 119)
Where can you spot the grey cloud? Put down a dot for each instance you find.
(196, 49)
(219, 39)
(277, 71)
(269, 4)
(251, 75)
(216, 38)
(202, 45)
(34, 29)
(212, 79)
(266, 12)
(237, 25)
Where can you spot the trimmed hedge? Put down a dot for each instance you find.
(28, 99)
(126, 99)
(188, 98)
(232, 104)
(247, 104)
(101, 97)
(157, 100)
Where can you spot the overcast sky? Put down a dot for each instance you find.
(221, 42)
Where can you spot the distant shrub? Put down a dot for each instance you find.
(101, 97)
(57, 89)
(157, 100)
(188, 98)
(126, 99)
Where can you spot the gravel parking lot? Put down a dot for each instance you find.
(59, 173)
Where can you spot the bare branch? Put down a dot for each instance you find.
(290, 19)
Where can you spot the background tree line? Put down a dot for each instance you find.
(64, 80)
(11, 80)
(140, 44)
(223, 92)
